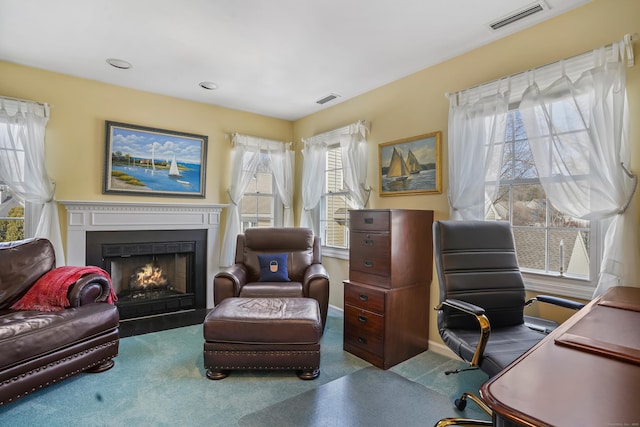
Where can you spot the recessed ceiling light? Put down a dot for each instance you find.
(208, 85)
(119, 63)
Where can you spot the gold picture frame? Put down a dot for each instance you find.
(411, 165)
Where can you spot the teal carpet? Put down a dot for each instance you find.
(159, 380)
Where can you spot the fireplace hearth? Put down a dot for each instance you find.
(153, 271)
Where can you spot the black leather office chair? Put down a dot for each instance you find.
(482, 299)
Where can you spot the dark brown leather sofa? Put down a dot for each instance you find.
(39, 348)
(308, 277)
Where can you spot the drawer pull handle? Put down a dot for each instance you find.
(368, 264)
(363, 297)
(362, 318)
(362, 340)
(368, 242)
(368, 220)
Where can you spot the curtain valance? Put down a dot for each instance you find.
(573, 67)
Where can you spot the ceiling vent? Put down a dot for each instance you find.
(519, 15)
(327, 98)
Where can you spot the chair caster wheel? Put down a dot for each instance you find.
(461, 403)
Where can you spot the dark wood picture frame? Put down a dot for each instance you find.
(147, 161)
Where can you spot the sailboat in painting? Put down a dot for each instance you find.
(398, 170)
(413, 165)
(173, 170)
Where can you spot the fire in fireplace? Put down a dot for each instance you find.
(153, 272)
(148, 277)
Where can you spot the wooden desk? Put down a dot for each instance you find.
(585, 373)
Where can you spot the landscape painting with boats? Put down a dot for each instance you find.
(153, 161)
(411, 165)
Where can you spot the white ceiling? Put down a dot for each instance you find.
(271, 57)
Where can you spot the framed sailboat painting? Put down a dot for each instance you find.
(411, 165)
(147, 161)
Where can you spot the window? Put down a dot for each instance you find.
(12, 208)
(11, 216)
(260, 206)
(547, 241)
(335, 202)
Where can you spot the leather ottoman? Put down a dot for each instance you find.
(263, 333)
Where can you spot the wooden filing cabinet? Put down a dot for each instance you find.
(386, 299)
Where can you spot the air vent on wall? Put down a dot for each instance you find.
(327, 98)
(518, 15)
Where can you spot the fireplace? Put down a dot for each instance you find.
(169, 224)
(153, 271)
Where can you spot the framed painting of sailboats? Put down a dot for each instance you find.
(411, 165)
(147, 161)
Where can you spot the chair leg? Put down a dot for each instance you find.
(308, 374)
(462, 403)
(102, 367)
(217, 374)
(464, 422)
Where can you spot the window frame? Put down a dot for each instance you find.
(32, 210)
(321, 221)
(539, 281)
(276, 202)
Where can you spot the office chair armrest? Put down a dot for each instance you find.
(483, 320)
(561, 302)
(466, 307)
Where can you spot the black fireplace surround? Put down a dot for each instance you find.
(154, 272)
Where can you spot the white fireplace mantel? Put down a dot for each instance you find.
(83, 216)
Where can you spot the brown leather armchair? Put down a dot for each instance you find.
(308, 277)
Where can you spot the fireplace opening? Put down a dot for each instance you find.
(147, 277)
(152, 272)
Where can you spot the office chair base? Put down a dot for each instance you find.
(457, 371)
(464, 422)
(462, 403)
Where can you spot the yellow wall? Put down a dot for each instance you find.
(411, 106)
(417, 105)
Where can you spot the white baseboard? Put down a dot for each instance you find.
(438, 347)
(336, 308)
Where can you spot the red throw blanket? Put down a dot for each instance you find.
(49, 293)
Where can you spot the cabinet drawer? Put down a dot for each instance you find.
(367, 342)
(370, 220)
(363, 321)
(364, 329)
(364, 297)
(373, 244)
(370, 263)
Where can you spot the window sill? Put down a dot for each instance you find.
(555, 285)
(335, 252)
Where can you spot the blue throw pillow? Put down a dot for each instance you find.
(273, 268)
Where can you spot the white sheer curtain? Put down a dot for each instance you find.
(245, 159)
(22, 165)
(586, 174)
(354, 160)
(281, 159)
(477, 123)
(244, 163)
(313, 164)
(353, 147)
